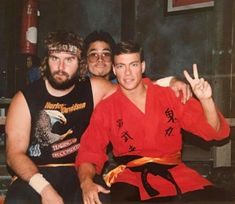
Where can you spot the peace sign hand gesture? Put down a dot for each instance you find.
(200, 87)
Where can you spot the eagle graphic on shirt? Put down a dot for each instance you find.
(44, 126)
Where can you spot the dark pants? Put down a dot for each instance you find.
(124, 193)
(104, 198)
(63, 179)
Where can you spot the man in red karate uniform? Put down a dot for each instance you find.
(143, 122)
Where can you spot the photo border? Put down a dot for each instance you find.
(189, 6)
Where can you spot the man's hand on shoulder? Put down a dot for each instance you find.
(181, 89)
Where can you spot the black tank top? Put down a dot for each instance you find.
(57, 122)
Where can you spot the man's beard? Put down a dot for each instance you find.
(60, 85)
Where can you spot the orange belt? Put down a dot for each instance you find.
(55, 165)
(110, 177)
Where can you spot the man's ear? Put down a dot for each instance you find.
(143, 66)
(114, 71)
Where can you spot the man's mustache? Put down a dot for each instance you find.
(60, 73)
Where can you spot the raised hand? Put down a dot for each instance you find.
(200, 87)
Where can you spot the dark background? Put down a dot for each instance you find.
(172, 42)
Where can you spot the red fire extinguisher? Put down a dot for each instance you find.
(28, 40)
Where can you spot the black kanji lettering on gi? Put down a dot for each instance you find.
(168, 131)
(119, 123)
(131, 148)
(126, 136)
(170, 115)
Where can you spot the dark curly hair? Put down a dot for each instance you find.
(64, 38)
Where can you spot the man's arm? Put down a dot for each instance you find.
(101, 89)
(203, 92)
(164, 81)
(90, 190)
(179, 87)
(18, 126)
(18, 136)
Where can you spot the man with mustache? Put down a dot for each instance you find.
(98, 48)
(45, 122)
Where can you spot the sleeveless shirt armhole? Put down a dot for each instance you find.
(27, 92)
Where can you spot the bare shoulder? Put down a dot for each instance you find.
(99, 81)
(18, 102)
(101, 88)
(18, 113)
(18, 98)
(18, 125)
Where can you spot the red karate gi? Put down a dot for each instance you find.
(155, 133)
